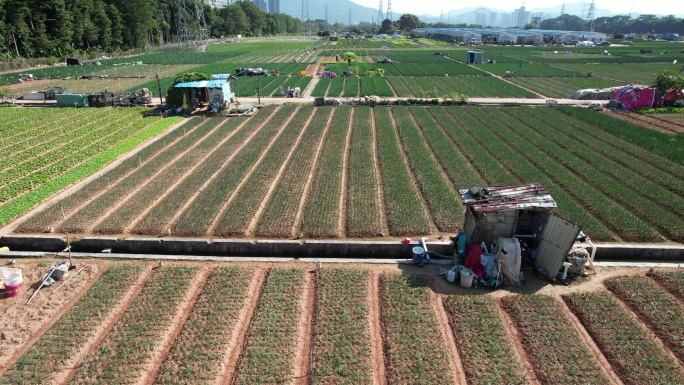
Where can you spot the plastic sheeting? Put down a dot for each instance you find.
(508, 255)
(633, 97)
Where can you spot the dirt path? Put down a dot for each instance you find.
(248, 174)
(313, 69)
(380, 198)
(22, 325)
(375, 330)
(252, 226)
(295, 232)
(182, 178)
(598, 354)
(516, 342)
(455, 362)
(167, 339)
(123, 200)
(301, 373)
(216, 173)
(89, 346)
(310, 87)
(423, 202)
(233, 351)
(342, 207)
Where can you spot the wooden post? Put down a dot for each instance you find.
(71, 265)
(159, 85)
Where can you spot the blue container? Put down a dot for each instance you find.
(461, 243)
(418, 255)
(542, 273)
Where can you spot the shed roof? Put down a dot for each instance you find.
(214, 83)
(503, 198)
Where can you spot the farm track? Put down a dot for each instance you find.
(342, 207)
(376, 166)
(517, 343)
(375, 330)
(455, 362)
(303, 360)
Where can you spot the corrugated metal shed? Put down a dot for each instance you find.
(215, 83)
(503, 198)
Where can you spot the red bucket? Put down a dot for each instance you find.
(11, 291)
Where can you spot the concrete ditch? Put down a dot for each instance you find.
(293, 248)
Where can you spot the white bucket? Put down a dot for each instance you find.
(466, 278)
(11, 276)
(451, 276)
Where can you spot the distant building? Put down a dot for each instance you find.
(261, 4)
(273, 6)
(481, 18)
(217, 3)
(493, 19)
(505, 20)
(521, 17)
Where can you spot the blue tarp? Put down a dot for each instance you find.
(215, 83)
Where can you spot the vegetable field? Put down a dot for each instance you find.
(293, 171)
(292, 322)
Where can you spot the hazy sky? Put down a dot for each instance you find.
(434, 7)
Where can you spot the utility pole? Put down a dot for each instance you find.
(591, 15)
(380, 13)
(159, 85)
(305, 15)
(350, 23)
(389, 9)
(562, 10)
(327, 20)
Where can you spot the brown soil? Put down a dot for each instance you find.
(313, 69)
(297, 225)
(303, 352)
(21, 325)
(213, 177)
(89, 346)
(455, 362)
(231, 357)
(342, 208)
(167, 339)
(407, 164)
(516, 342)
(376, 165)
(180, 180)
(251, 227)
(658, 125)
(375, 332)
(249, 173)
(598, 355)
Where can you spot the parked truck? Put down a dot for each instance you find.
(671, 36)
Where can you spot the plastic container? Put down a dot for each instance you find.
(466, 278)
(418, 254)
(11, 290)
(461, 242)
(451, 276)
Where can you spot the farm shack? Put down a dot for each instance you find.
(214, 93)
(474, 57)
(72, 100)
(524, 213)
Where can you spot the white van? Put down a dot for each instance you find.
(585, 44)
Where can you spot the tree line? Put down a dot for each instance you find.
(58, 28)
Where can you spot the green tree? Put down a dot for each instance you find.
(666, 81)
(386, 26)
(408, 22)
(256, 17)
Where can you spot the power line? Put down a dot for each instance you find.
(389, 9)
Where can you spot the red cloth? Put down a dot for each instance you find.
(473, 260)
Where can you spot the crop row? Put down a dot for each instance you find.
(280, 215)
(88, 215)
(612, 151)
(336, 86)
(403, 204)
(363, 209)
(27, 201)
(161, 215)
(666, 219)
(553, 346)
(351, 86)
(320, 218)
(145, 197)
(630, 226)
(520, 167)
(46, 166)
(268, 353)
(672, 281)
(27, 127)
(638, 73)
(474, 86)
(660, 310)
(525, 69)
(253, 191)
(484, 345)
(199, 216)
(634, 356)
(341, 348)
(442, 199)
(321, 87)
(450, 155)
(49, 216)
(561, 87)
(197, 353)
(39, 154)
(415, 351)
(650, 141)
(123, 353)
(50, 352)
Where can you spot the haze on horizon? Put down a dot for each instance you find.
(621, 7)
